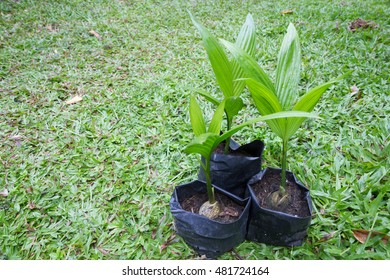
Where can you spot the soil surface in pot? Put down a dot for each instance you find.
(297, 204)
(221, 150)
(230, 212)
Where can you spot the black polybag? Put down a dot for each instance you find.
(274, 227)
(205, 236)
(232, 172)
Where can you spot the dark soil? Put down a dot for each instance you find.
(221, 150)
(231, 211)
(297, 204)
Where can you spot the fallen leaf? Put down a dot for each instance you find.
(167, 242)
(354, 90)
(287, 12)
(337, 25)
(30, 228)
(16, 137)
(328, 236)
(4, 193)
(361, 235)
(361, 23)
(75, 99)
(103, 251)
(94, 33)
(51, 27)
(31, 205)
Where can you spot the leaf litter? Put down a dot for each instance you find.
(361, 23)
(362, 235)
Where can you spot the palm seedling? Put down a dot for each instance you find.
(271, 98)
(206, 140)
(227, 72)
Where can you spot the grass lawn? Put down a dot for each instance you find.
(93, 180)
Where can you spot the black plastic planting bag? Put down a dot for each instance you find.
(274, 227)
(205, 236)
(232, 172)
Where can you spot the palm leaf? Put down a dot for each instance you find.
(233, 105)
(267, 103)
(307, 103)
(202, 144)
(196, 117)
(216, 121)
(274, 116)
(218, 59)
(245, 40)
(288, 68)
(249, 65)
(208, 96)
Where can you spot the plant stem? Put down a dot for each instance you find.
(227, 141)
(210, 189)
(284, 167)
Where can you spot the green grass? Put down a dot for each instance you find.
(93, 180)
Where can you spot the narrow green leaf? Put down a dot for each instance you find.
(232, 106)
(216, 121)
(278, 115)
(218, 59)
(307, 103)
(265, 100)
(267, 103)
(202, 144)
(246, 40)
(208, 97)
(249, 65)
(288, 68)
(374, 205)
(196, 117)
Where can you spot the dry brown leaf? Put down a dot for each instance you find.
(361, 23)
(51, 27)
(287, 12)
(167, 242)
(103, 251)
(354, 90)
(74, 100)
(4, 193)
(361, 235)
(328, 236)
(94, 33)
(16, 137)
(31, 206)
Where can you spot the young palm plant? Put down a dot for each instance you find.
(227, 72)
(206, 141)
(271, 98)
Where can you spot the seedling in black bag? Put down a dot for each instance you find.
(206, 141)
(282, 96)
(227, 72)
